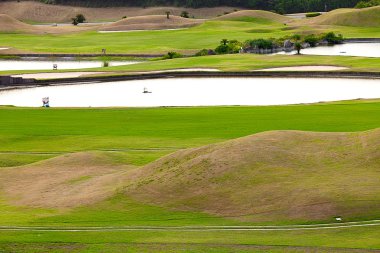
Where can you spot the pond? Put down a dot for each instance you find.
(195, 92)
(346, 49)
(33, 64)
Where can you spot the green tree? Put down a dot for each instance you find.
(224, 42)
(298, 47)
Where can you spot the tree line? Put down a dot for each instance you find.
(279, 6)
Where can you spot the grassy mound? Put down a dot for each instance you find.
(10, 24)
(368, 17)
(63, 182)
(153, 22)
(255, 16)
(271, 176)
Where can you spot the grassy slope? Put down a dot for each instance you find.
(271, 176)
(206, 35)
(237, 62)
(367, 17)
(247, 62)
(73, 129)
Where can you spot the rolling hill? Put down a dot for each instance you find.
(275, 176)
(367, 17)
(152, 22)
(271, 176)
(254, 15)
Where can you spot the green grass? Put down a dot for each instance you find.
(226, 241)
(10, 160)
(247, 62)
(236, 62)
(69, 130)
(193, 39)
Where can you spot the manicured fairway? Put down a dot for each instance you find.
(140, 135)
(54, 130)
(237, 62)
(207, 35)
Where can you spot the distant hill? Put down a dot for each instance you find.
(280, 6)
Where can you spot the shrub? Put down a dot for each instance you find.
(332, 38)
(260, 43)
(74, 21)
(228, 47)
(203, 52)
(312, 40)
(185, 14)
(78, 19)
(124, 17)
(172, 55)
(313, 14)
(367, 3)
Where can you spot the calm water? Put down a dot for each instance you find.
(48, 65)
(348, 49)
(196, 92)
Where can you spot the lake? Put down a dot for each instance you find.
(195, 92)
(346, 49)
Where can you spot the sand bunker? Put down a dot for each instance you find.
(305, 68)
(154, 22)
(57, 75)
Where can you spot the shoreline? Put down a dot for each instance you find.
(194, 74)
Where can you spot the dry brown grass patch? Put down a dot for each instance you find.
(63, 182)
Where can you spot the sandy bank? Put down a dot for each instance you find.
(306, 68)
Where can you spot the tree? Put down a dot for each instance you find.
(167, 14)
(224, 42)
(298, 47)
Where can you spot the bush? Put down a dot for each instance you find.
(313, 14)
(260, 43)
(332, 38)
(78, 19)
(172, 55)
(312, 40)
(185, 14)
(366, 4)
(228, 47)
(203, 52)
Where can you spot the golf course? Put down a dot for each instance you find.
(150, 171)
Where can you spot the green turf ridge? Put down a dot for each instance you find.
(237, 62)
(71, 130)
(189, 40)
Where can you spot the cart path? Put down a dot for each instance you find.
(341, 225)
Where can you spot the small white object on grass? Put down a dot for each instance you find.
(338, 219)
